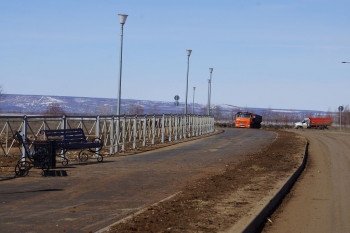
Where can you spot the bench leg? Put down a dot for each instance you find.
(83, 156)
(22, 168)
(99, 158)
(65, 160)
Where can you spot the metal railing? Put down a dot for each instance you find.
(134, 131)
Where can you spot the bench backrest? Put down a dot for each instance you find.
(66, 135)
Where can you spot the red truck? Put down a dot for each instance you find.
(312, 122)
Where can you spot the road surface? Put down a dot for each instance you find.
(96, 195)
(320, 200)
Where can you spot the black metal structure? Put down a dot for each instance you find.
(74, 139)
(42, 155)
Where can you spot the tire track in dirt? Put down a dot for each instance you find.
(320, 201)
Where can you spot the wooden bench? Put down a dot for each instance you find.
(74, 139)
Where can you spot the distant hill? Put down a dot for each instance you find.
(38, 104)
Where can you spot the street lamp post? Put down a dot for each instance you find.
(188, 51)
(122, 19)
(208, 105)
(341, 109)
(340, 121)
(194, 90)
(209, 91)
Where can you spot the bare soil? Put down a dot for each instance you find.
(216, 203)
(319, 201)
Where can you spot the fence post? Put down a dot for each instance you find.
(63, 126)
(209, 127)
(193, 125)
(212, 124)
(134, 136)
(170, 128)
(97, 132)
(209, 124)
(144, 130)
(7, 137)
(197, 126)
(123, 133)
(64, 122)
(181, 127)
(111, 135)
(206, 125)
(117, 130)
(184, 132)
(163, 129)
(153, 128)
(25, 125)
(176, 129)
(189, 125)
(203, 125)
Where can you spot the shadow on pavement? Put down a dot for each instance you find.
(35, 191)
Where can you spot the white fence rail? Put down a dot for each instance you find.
(134, 131)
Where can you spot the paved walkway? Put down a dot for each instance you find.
(95, 195)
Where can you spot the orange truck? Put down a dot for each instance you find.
(248, 120)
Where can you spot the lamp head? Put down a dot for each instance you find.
(211, 70)
(188, 51)
(122, 18)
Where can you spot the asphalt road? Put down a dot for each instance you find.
(95, 195)
(320, 200)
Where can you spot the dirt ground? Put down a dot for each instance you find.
(216, 203)
(320, 199)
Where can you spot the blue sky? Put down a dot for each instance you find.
(265, 53)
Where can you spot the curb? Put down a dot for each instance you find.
(257, 223)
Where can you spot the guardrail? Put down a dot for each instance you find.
(134, 131)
